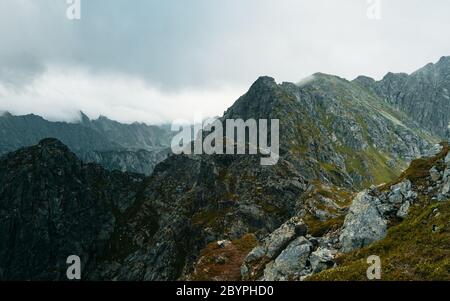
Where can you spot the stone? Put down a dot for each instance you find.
(223, 243)
(403, 211)
(436, 149)
(435, 174)
(447, 159)
(278, 239)
(321, 259)
(291, 263)
(363, 224)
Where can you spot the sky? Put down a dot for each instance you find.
(159, 61)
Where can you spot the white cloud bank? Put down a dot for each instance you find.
(59, 95)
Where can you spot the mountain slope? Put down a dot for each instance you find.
(424, 95)
(418, 247)
(335, 131)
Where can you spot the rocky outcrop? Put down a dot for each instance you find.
(52, 206)
(291, 263)
(288, 253)
(139, 161)
(372, 210)
(363, 225)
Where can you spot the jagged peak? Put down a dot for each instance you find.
(83, 117)
(392, 75)
(5, 114)
(444, 60)
(264, 81)
(53, 143)
(364, 78)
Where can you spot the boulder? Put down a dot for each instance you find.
(403, 211)
(272, 246)
(435, 174)
(436, 149)
(321, 259)
(363, 224)
(291, 263)
(278, 239)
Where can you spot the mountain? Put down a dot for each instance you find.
(335, 137)
(334, 130)
(341, 183)
(424, 95)
(52, 206)
(127, 147)
(130, 136)
(20, 131)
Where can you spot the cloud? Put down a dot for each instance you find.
(208, 46)
(58, 95)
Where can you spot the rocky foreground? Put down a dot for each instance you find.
(405, 222)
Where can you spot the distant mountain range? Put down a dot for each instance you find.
(226, 217)
(133, 147)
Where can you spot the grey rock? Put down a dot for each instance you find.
(278, 239)
(447, 159)
(363, 224)
(291, 263)
(403, 211)
(321, 259)
(436, 149)
(223, 243)
(435, 174)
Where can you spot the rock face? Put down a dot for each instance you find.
(334, 130)
(273, 245)
(116, 146)
(139, 161)
(363, 225)
(371, 210)
(291, 262)
(53, 206)
(424, 95)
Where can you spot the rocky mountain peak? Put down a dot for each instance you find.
(257, 102)
(84, 119)
(53, 143)
(263, 81)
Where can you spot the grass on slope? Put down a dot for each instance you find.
(223, 263)
(417, 249)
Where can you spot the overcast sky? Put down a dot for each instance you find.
(156, 61)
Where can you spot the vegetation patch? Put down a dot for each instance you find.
(416, 249)
(223, 262)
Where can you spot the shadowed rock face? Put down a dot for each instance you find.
(52, 205)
